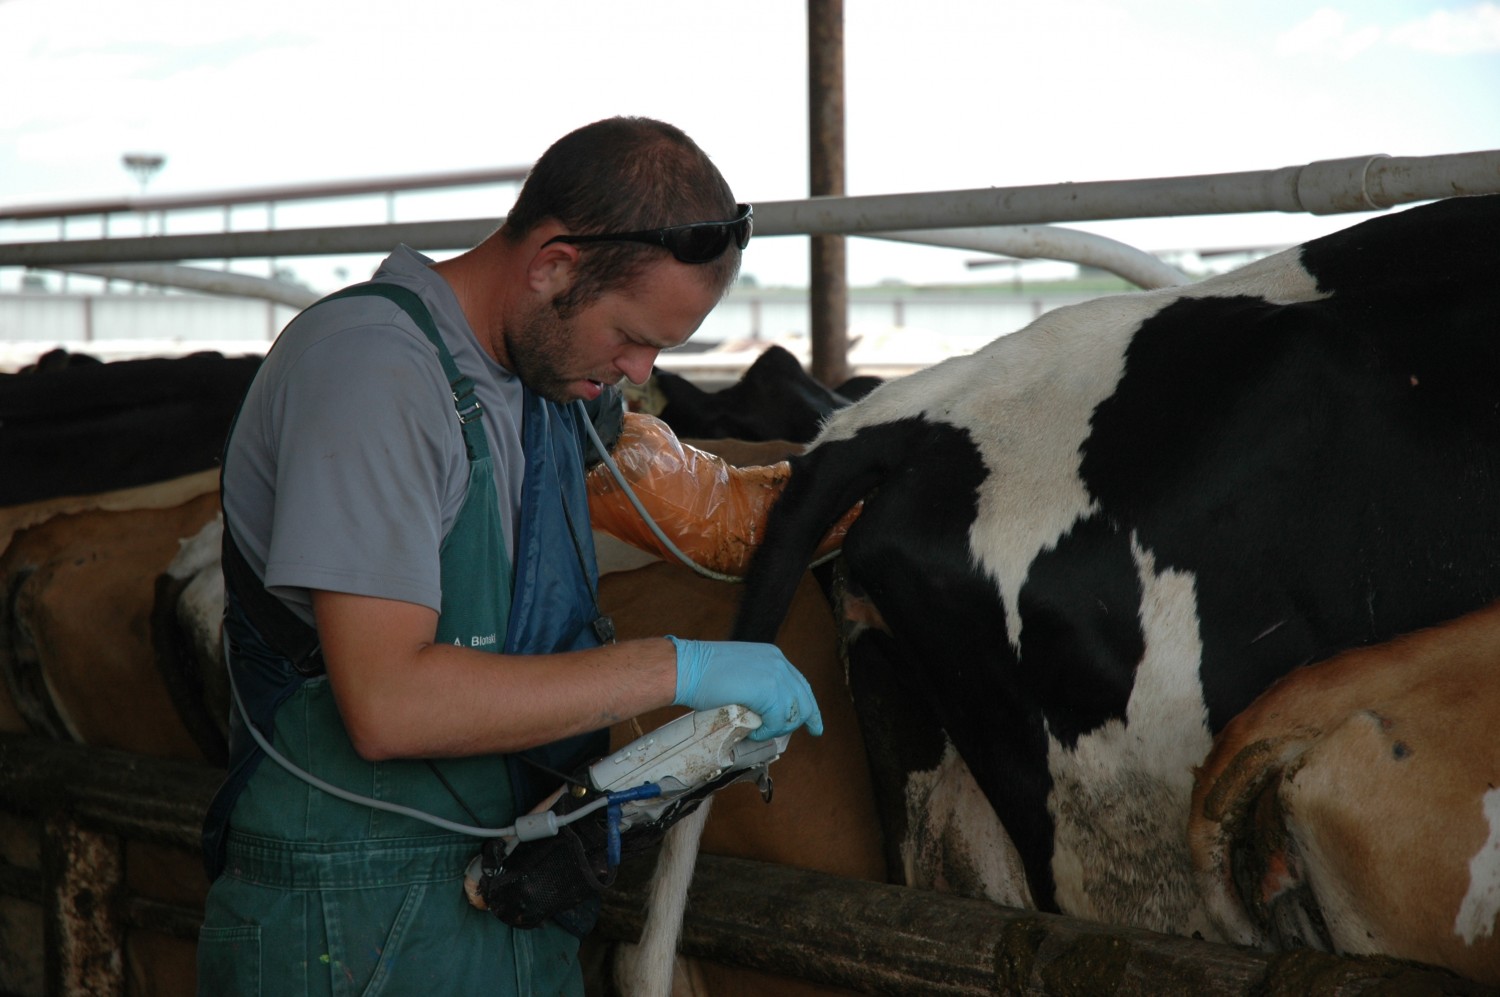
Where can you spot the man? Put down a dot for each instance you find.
(410, 618)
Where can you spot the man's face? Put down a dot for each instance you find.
(618, 335)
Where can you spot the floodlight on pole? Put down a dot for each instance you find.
(143, 166)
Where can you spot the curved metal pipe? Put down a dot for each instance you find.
(1048, 242)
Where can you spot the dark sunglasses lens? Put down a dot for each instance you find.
(741, 230)
(699, 244)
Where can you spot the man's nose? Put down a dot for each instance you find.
(635, 362)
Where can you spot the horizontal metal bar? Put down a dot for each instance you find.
(263, 195)
(333, 241)
(199, 279)
(152, 799)
(1362, 183)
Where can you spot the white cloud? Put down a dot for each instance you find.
(1464, 31)
(1326, 34)
(1329, 34)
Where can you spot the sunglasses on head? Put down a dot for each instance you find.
(695, 242)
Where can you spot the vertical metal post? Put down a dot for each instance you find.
(829, 279)
(62, 235)
(270, 226)
(104, 234)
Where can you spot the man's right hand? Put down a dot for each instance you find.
(711, 674)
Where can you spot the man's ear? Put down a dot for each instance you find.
(552, 267)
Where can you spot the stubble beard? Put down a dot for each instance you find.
(541, 353)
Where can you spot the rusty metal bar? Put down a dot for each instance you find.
(83, 934)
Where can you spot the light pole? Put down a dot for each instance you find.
(143, 166)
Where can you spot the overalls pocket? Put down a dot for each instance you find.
(231, 958)
(366, 929)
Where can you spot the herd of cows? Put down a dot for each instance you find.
(1175, 609)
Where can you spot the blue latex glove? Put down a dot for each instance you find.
(715, 673)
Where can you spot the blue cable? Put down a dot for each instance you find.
(645, 791)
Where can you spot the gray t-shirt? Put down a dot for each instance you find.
(347, 466)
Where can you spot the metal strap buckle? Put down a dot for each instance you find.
(463, 389)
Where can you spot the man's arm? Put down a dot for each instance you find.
(402, 695)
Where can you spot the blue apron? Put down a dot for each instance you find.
(321, 896)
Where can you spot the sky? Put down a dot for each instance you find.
(939, 95)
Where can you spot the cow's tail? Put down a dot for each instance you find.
(647, 972)
(825, 483)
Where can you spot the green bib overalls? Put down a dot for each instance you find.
(323, 896)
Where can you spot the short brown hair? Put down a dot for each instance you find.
(619, 175)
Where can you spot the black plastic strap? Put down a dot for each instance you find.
(278, 626)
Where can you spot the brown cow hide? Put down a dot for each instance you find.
(822, 813)
(164, 495)
(76, 645)
(1355, 806)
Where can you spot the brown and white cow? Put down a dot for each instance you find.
(80, 630)
(1355, 806)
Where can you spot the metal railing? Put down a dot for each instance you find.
(320, 190)
(1361, 183)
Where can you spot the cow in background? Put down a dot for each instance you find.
(775, 399)
(82, 429)
(108, 469)
(1095, 541)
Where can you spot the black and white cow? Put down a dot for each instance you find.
(1095, 541)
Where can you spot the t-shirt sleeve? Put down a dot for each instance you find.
(365, 434)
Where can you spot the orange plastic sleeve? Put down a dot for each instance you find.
(713, 511)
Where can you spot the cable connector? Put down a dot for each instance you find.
(617, 799)
(538, 825)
